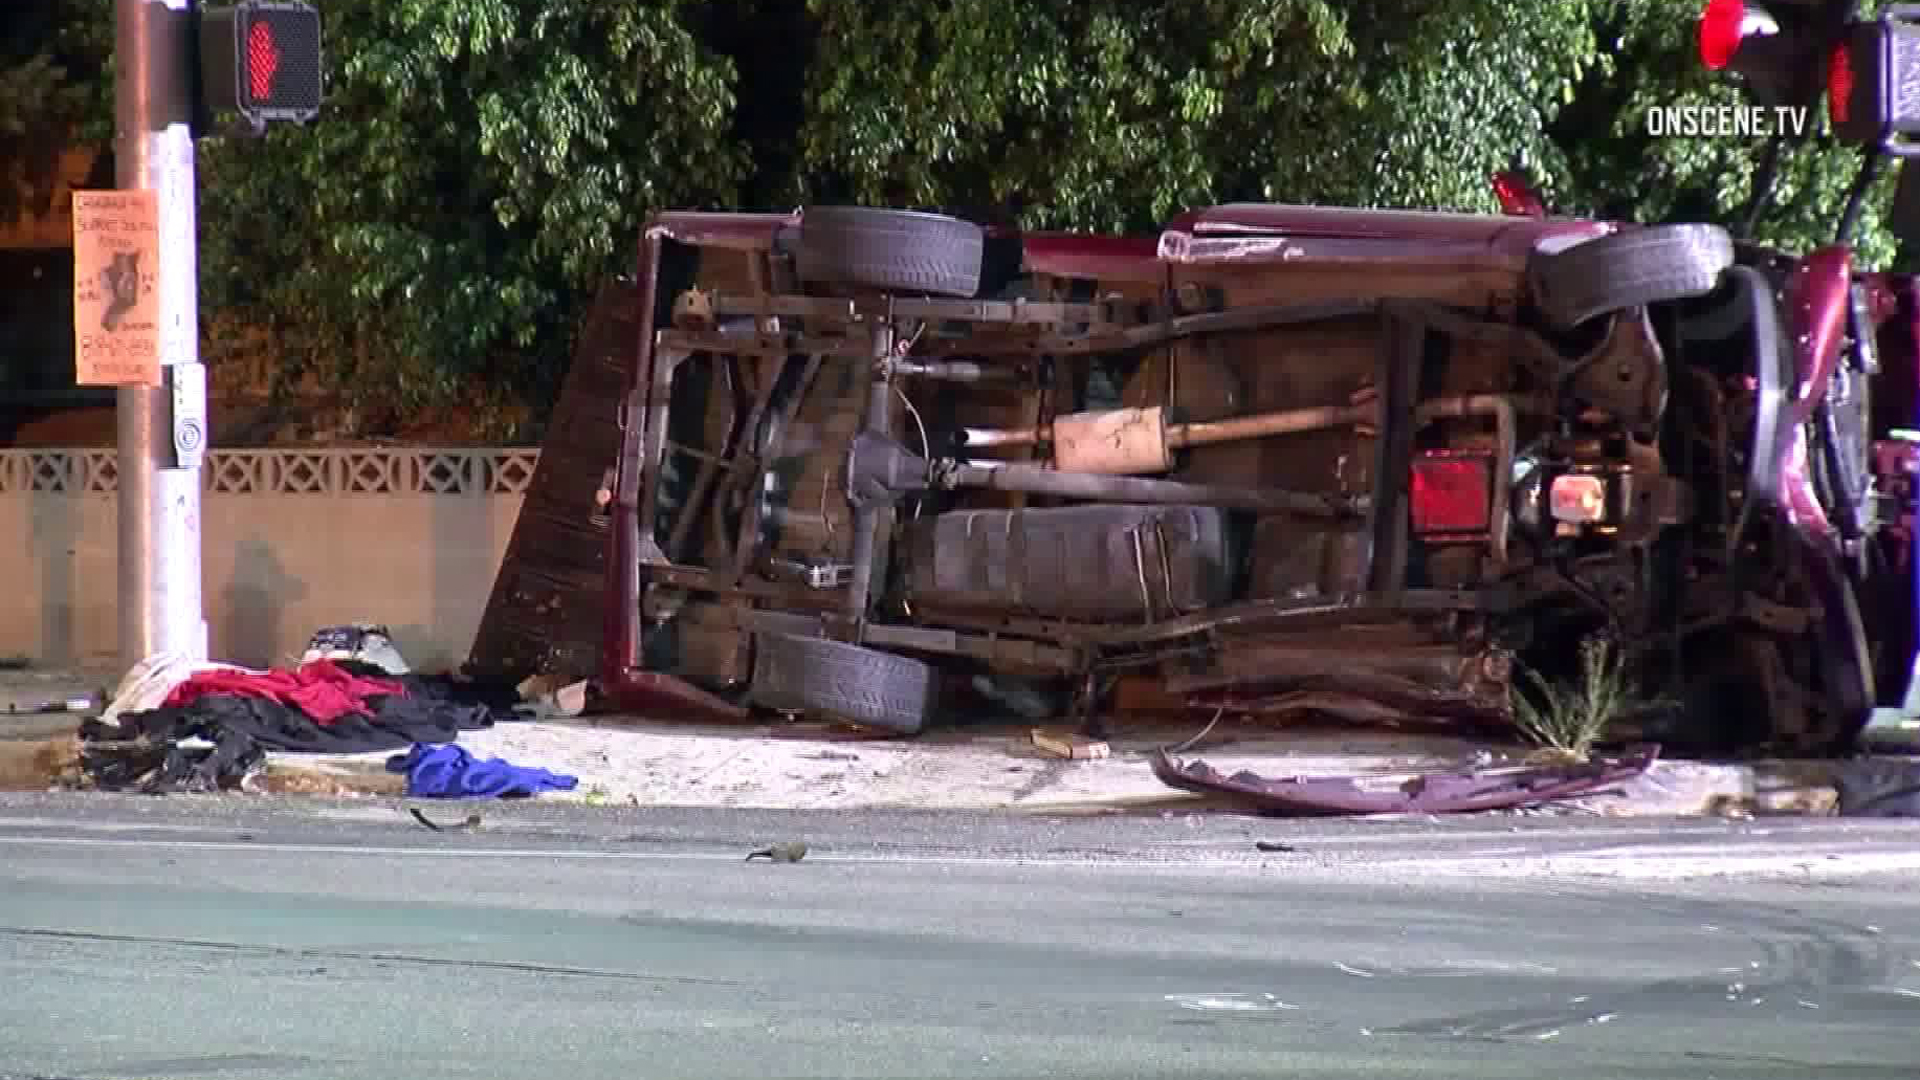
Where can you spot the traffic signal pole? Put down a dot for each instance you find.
(160, 596)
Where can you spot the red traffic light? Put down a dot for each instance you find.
(1722, 26)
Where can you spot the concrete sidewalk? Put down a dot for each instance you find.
(636, 762)
(633, 761)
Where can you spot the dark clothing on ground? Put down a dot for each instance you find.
(143, 752)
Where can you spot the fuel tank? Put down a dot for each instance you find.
(1097, 562)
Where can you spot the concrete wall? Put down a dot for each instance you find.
(292, 541)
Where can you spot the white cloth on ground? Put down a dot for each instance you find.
(149, 682)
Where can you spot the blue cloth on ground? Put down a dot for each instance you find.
(448, 771)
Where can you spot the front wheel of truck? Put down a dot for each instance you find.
(894, 250)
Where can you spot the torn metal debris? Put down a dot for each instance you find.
(1432, 793)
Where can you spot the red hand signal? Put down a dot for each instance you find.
(263, 59)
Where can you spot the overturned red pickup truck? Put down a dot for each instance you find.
(889, 466)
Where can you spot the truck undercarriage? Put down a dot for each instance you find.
(873, 472)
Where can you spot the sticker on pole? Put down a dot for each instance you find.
(116, 303)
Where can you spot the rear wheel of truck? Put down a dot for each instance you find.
(896, 250)
(1628, 269)
(1737, 701)
(851, 682)
(1753, 693)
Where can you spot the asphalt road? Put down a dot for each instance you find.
(223, 938)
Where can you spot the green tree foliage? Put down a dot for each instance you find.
(481, 166)
(1118, 113)
(51, 56)
(482, 163)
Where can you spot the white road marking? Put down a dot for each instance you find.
(1103, 862)
(1668, 863)
(1231, 1003)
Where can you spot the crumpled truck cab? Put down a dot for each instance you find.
(894, 468)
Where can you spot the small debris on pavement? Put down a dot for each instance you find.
(544, 700)
(1274, 845)
(789, 851)
(571, 700)
(1071, 746)
(472, 822)
(67, 705)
